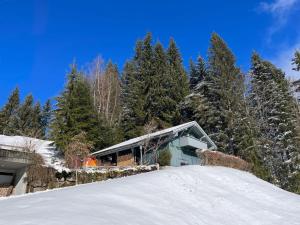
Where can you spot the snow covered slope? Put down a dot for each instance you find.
(176, 196)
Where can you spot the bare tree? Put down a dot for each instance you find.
(153, 144)
(77, 149)
(106, 90)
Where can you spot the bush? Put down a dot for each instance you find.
(215, 158)
(164, 157)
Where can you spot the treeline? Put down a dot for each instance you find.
(26, 118)
(259, 123)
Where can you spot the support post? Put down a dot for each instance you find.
(132, 152)
(76, 172)
(141, 155)
(117, 156)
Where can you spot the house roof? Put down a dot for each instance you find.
(139, 140)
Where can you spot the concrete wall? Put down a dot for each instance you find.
(20, 182)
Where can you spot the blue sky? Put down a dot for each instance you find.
(39, 39)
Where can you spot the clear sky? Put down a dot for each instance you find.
(39, 39)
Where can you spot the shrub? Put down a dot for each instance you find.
(164, 157)
(215, 158)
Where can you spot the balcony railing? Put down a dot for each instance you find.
(189, 141)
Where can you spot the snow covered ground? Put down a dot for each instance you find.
(176, 196)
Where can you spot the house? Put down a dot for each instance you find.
(16, 156)
(182, 141)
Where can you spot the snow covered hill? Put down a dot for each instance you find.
(176, 196)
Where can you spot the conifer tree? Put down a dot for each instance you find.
(23, 121)
(153, 83)
(75, 113)
(224, 93)
(146, 71)
(197, 72)
(195, 105)
(218, 104)
(154, 98)
(160, 102)
(8, 113)
(136, 83)
(133, 115)
(178, 79)
(46, 118)
(35, 129)
(276, 117)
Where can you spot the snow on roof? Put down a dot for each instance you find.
(45, 148)
(171, 130)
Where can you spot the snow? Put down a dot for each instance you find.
(192, 195)
(43, 147)
(172, 130)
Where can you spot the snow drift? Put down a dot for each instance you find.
(185, 195)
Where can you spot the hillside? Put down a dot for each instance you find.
(185, 195)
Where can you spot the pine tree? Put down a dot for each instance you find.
(224, 95)
(197, 72)
(160, 103)
(154, 103)
(8, 113)
(45, 118)
(136, 84)
(23, 121)
(276, 117)
(35, 129)
(133, 115)
(75, 113)
(179, 84)
(195, 105)
(146, 71)
(218, 104)
(153, 83)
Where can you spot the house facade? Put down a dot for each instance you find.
(181, 141)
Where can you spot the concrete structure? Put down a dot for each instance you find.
(182, 141)
(13, 165)
(15, 157)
